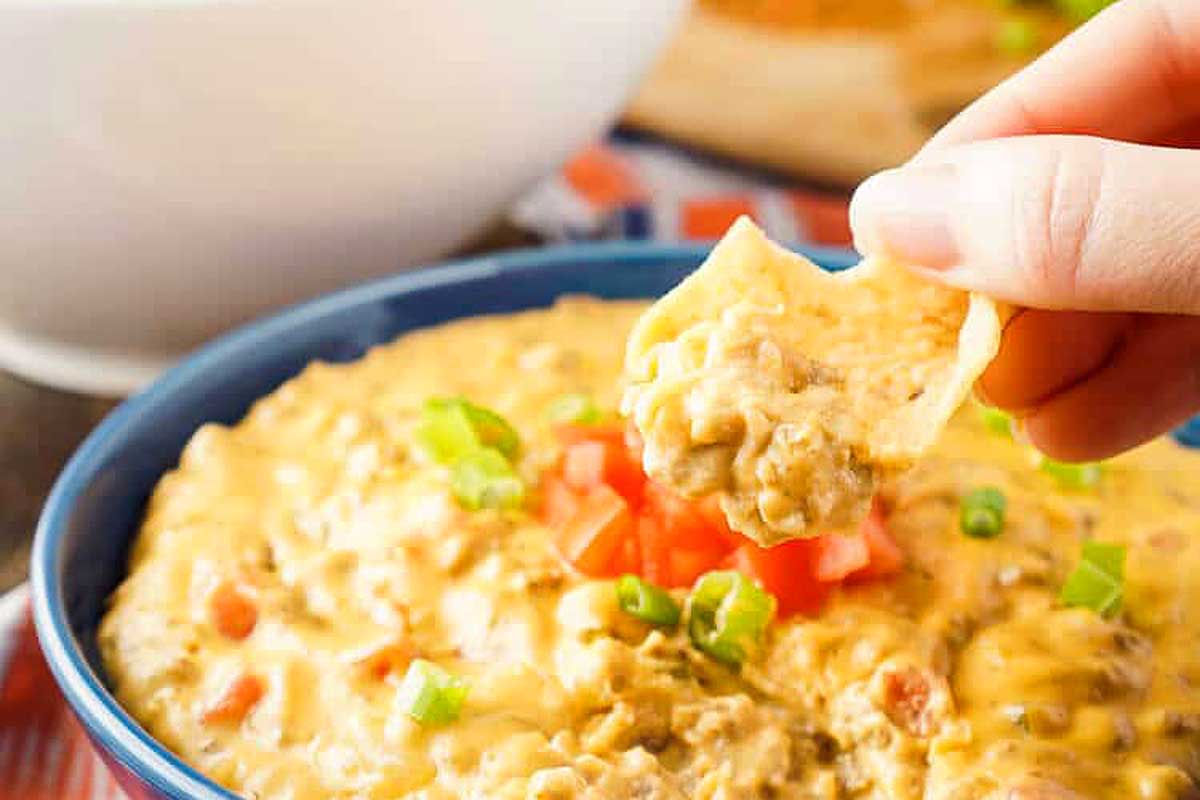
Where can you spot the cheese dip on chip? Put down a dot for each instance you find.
(790, 390)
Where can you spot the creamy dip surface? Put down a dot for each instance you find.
(962, 677)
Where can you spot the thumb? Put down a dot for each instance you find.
(1046, 221)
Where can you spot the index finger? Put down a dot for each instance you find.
(1132, 73)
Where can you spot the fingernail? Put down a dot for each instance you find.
(907, 214)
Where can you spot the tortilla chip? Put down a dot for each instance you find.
(793, 391)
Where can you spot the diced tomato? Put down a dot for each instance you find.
(583, 465)
(686, 543)
(591, 538)
(653, 548)
(786, 571)
(241, 695)
(589, 464)
(233, 610)
(559, 501)
(839, 555)
(710, 508)
(570, 433)
(628, 560)
(683, 522)
(664, 561)
(610, 519)
(385, 659)
(685, 566)
(886, 557)
(906, 700)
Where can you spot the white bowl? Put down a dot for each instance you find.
(174, 167)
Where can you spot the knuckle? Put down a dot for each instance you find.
(1057, 219)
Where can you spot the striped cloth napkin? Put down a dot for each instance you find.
(623, 188)
(44, 754)
(629, 187)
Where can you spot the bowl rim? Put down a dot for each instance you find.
(111, 727)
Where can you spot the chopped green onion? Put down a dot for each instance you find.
(646, 601)
(1017, 36)
(446, 433)
(1098, 581)
(486, 479)
(430, 694)
(453, 427)
(981, 513)
(493, 429)
(996, 420)
(575, 407)
(1082, 10)
(727, 616)
(1108, 558)
(1071, 476)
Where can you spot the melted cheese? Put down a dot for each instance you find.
(962, 678)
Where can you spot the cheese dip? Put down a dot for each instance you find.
(316, 607)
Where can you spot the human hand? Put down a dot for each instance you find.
(1096, 239)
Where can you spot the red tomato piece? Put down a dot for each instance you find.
(710, 508)
(589, 464)
(886, 557)
(590, 539)
(583, 465)
(610, 519)
(233, 610)
(686, 542)
(839, 555)
(786, 571)
(683, 522)
(385, 659)
(628, 560)
(559, 501)
(685, 566)
(570, 433)
(654, 549)
(241, 695)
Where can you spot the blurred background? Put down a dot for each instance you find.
(174, 170)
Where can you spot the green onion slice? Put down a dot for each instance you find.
(646, 601)
(486, 479)
(727, 616)
(995, 420)
(576, 407)
(493, 429)
(981, 513)
(1098, 581)
(452, 427)
(430, 694)
(1082, 10)
(1017, 36)
(446, 433)
(1071, 476)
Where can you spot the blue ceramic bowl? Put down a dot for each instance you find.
(92, 512)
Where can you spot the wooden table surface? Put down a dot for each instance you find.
(39, 428)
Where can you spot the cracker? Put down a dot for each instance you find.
(792, 391)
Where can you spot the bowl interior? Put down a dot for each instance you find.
(94, 509)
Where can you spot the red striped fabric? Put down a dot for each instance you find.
(622, 189)
(44, 754)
